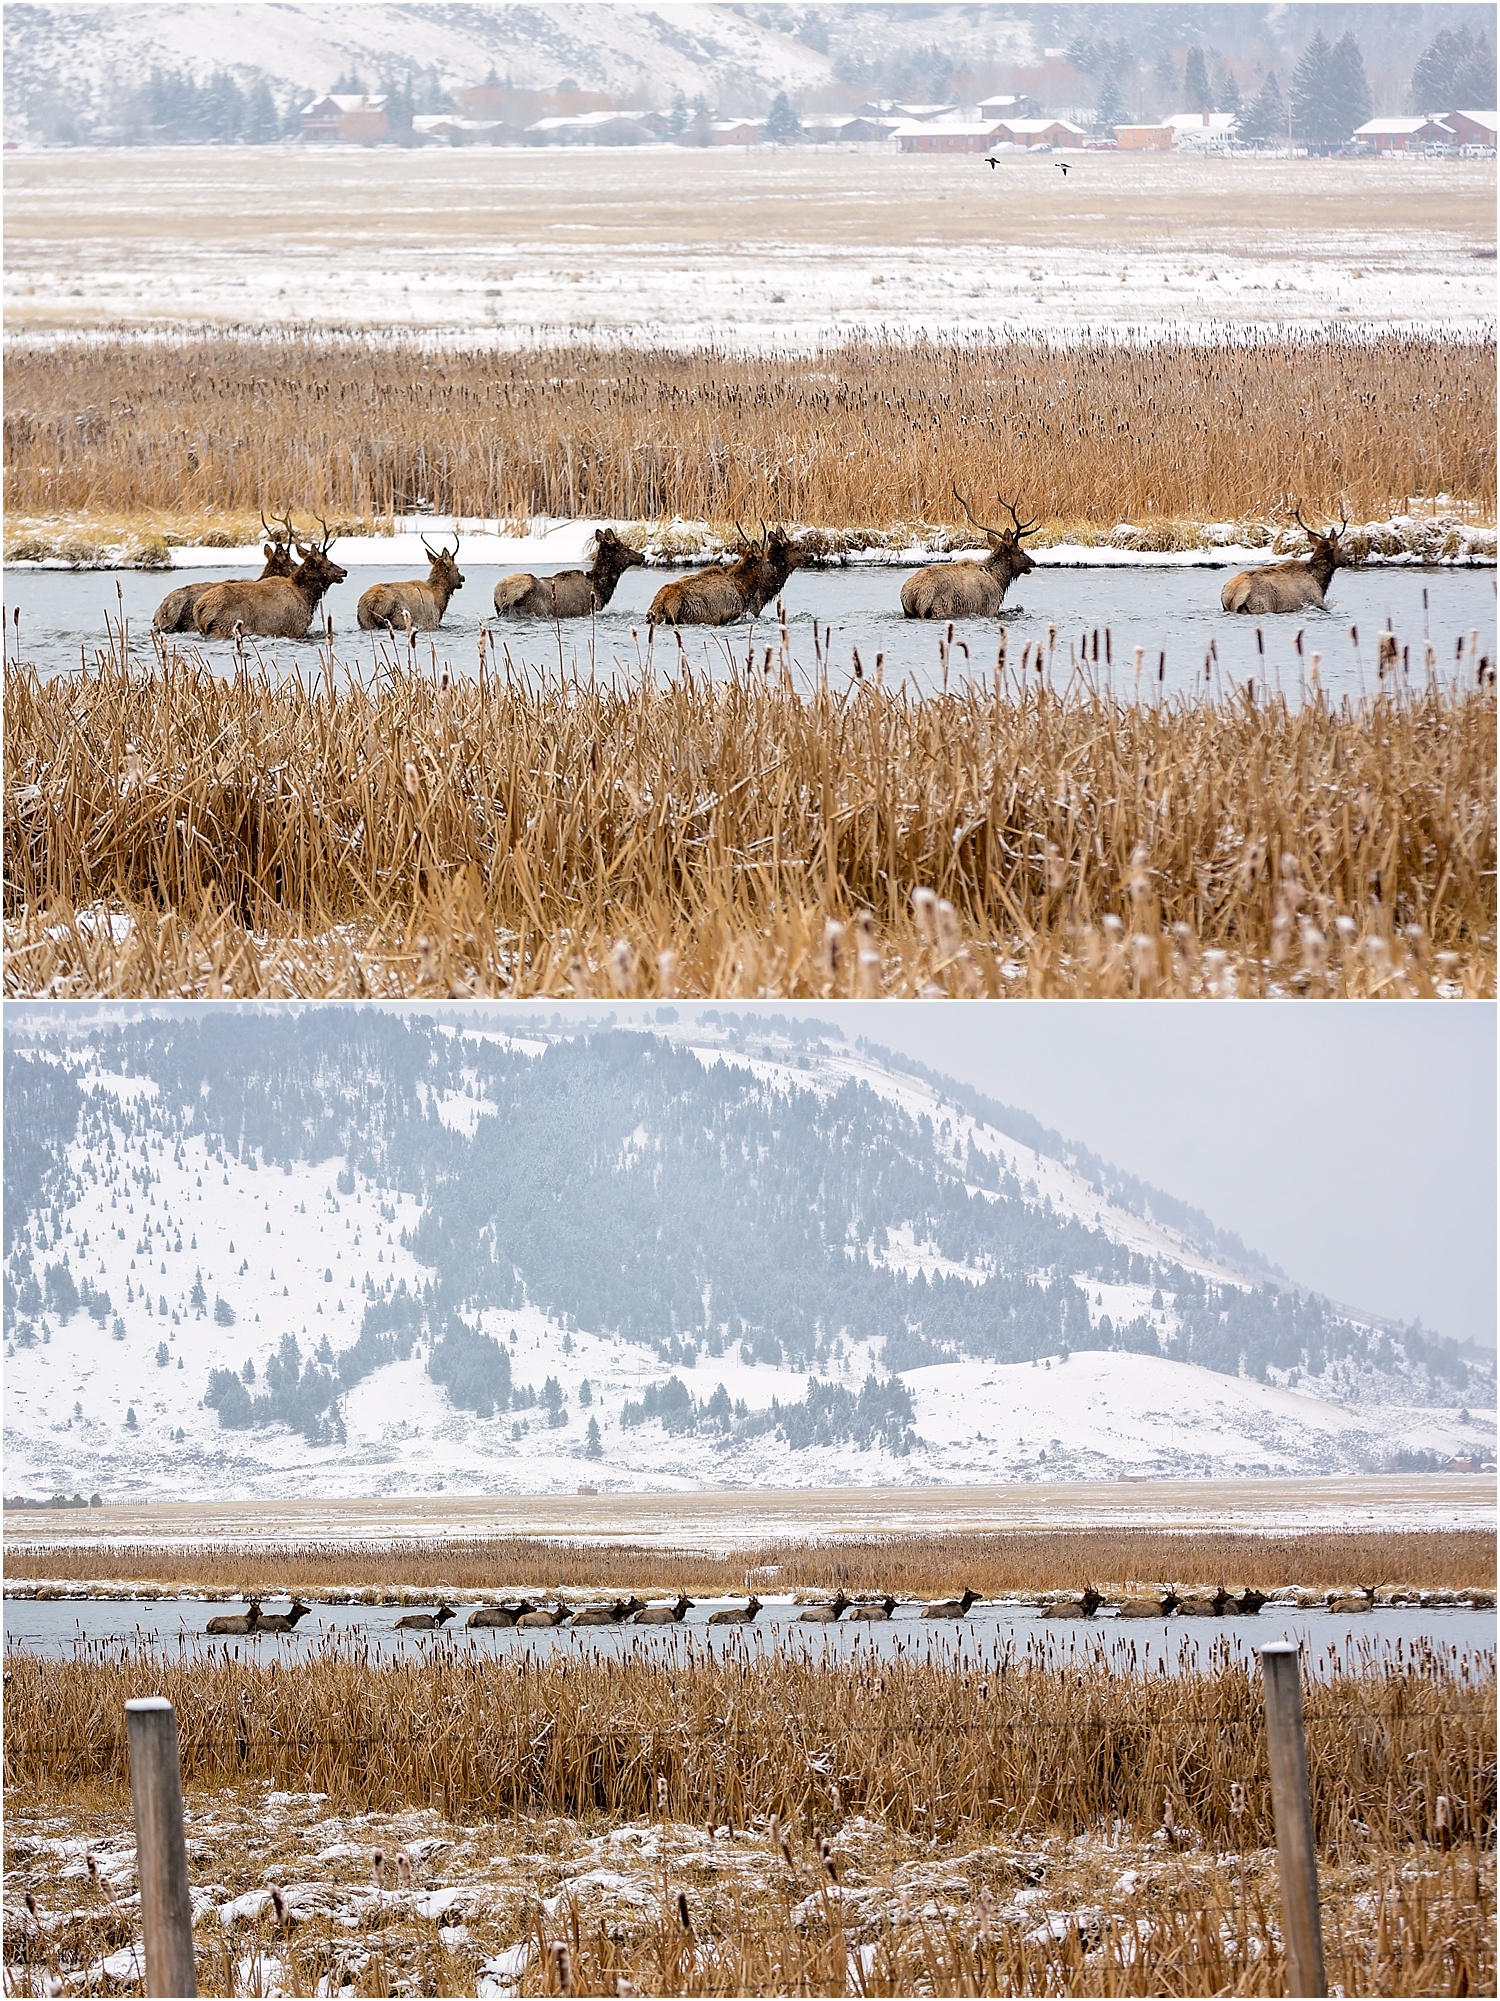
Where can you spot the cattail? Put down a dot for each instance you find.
(661, 1794)
(986, 1913)
(1236, 1798)
(562, 1966)
(825, 1849)
(412, 780)
(403, 1869)
(924, 910)
(833, 946)
(622, 966)
(378, 1869)
(683, 1917)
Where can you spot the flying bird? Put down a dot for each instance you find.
(990, 159)
(1064, 166)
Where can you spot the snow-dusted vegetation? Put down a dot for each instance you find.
(368, 1252)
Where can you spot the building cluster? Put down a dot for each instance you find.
(999, 124)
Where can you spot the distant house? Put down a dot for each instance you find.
(1472, 128)
(341, 119)
(922, 113)
(443, 129)
(590, 128)
(825, 129)
(1039, 132)
(1008, 107)
(1399, 135)
(947, 135)
(736, 132)
(1144, 138)
(1201, 128)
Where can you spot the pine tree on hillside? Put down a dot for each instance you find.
(1229, 93)
(593, 1447)
(782, 123)
(1111, 109)
(1195, 91)
(1455, 72)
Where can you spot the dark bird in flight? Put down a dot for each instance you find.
(1064, 165)
(990, 159)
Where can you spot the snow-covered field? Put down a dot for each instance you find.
(286, 1252)
(756, 250)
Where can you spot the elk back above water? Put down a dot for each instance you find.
(1299, 584)
(271, 607)
(727, 591)
(571, 593)
(178, 610)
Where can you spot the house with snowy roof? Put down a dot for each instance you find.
(1201, 128)
(1399, 135)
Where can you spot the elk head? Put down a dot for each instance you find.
(277, 548)
(318, 567)
(444, 563)
(1005, 541)
(1326, 548)
(616, 554)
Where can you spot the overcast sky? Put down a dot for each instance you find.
(1352, 1142)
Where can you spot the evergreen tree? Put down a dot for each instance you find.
(1111, 110)
(1195, 90)
(1316, 116)
(1349, 99)
(782, 123)
(260, 122)
(593, 1447)
(1455, 72)
(1229, 93)
(130, 1419)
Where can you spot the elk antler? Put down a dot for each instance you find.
(327, 535)
(1022, 527)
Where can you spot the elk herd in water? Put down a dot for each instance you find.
(524, 1613)
(281, 602)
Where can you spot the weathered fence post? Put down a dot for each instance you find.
(160, 1849)
(1291, 1802)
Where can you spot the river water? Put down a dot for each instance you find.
(1172, 615)
(91, 1628)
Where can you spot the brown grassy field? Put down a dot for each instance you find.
(1229, 428)
(769, 1824)
(911, 1566)
(672, 835)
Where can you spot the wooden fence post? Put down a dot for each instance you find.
(160, 1848)
(1291, 1802)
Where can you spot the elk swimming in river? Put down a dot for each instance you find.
(177, 611)
(272, 607)
(727, 591)
(968, 589)
(1299, 584)
(236, 1622)
(571, 593)
(418, 604)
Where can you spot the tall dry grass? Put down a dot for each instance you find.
(1033, 1737)
(911, 1566)
(869, 434)
(671, 835)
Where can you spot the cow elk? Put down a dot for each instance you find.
(501, 1615)
(418, 604)
(571, 593)
(284, 1622)
(951, 1608)
(426, 1622)
(236, 1622)
(665, 1615)
(824, 1615)
(1084, 1606)
(736, 1615)
(177, 611)
(969, 589)
(1299, 584)
(272, 607)
(542, 1617)
(873, 1608)
(727, 591)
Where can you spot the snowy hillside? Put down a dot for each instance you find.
(355, 1251)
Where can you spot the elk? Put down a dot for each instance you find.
(823, 1615)
(1084, 1606)
(736, 1615)
(571, 593)
(415, 605)
(177, 611)
(1298, 584)
(1203, 1604)
(542, 1617)
(501, 1615)
(239, 1622)
(608, 1615)
(727, 591)
(878, 1608)
(426, 1622)
(968, 589)
(284, 1622)
(951, 1608)
(1156, 1606)
(665, 1615)
(1246, 1603)
(272, 607)
(1361, 1600)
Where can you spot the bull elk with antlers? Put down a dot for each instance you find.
(741, 589)
(178, 609)
(272, 607)
(571, 593)
(418, 604)
(1299, 584)
(968, 589)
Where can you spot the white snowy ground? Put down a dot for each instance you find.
(289, 1253)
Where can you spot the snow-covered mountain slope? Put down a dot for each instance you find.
(623, 49)
(355, 1251)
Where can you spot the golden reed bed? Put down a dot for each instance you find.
(1045, 1820)
(914, 1566)
(870, 434)
(174, 831)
